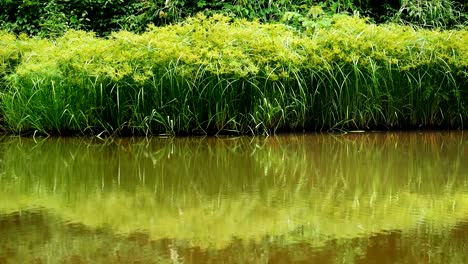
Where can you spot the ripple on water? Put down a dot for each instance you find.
(393, 197)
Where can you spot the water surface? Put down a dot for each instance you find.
(355, 198)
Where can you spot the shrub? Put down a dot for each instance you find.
(214, 74)
(52, 18)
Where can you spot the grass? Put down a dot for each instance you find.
(214, 75)
(432, 14)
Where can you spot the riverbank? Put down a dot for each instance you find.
(210, 75)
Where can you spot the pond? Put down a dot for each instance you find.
(354, 198)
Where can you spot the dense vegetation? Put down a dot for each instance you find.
(222, 72)
(54, 17)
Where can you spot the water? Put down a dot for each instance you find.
(355, 198)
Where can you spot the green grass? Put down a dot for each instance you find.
(212, 75)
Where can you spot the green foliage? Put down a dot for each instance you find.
(314, 19)
(433, 13)
(216, 74)
(52, 18)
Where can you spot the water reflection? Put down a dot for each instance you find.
(352, 198)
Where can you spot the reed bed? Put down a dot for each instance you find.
(212, 75)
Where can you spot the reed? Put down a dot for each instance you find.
(212, 75)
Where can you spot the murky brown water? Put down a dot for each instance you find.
(356, 198)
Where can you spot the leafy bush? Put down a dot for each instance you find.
(52, 18)
(214, 74)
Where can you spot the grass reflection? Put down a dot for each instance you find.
(311, 188)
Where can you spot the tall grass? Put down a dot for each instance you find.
(211, 75)
(432, 13)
